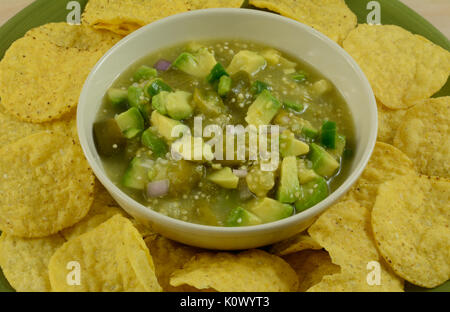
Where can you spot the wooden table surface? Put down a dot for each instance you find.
(435, 11)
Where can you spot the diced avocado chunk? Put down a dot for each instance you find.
(289, 188)
(225, 178)
(136, 97)
(131, 122)
(270, 210)
(109, 139)
(290, 146)
(175, 104)
(164, 125)
(154, 142)
(272, 56)
(323, 163)
(259, 86)
(239, 216)
(321, 87)
(305, 173)
(193, 149)
(144, 73)
(208, 103)
(339, 149)
(136, 176)
(198, 64)
(263, 109)
(155, 86)
(291, 121)
(294, 105)
(248, 61)
(118, 98)
(216, 73)
(328, 134)
(311, 194)
(224, 87)
(183, 175)
(309, 134)
(260, 182)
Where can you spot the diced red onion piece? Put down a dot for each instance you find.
(158, 188)
(240, 173)
(162, 65)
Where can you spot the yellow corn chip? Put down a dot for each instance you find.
(401, 67)
(111, 257)
(331, 17)
(311, 266)
(210, 4)
(296, 243)
(424, 135)
(410, 221)
(344, 231)
(388, 122)
(41, 76)
(46, 185)
(24, 261)
(249, 271)
(386, 163)
(168, 257)
(125, 16)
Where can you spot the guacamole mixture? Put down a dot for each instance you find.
(224, 83)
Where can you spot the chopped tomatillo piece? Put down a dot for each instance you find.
(136, 176)
(109, 139)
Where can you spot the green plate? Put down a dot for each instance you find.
(392, 12)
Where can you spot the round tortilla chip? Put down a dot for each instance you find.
(386, 163)
(168, 257)
(344, 230)
(388, 122)
(401, 67)
(41, 81)
(13, 129)
(424, 135)
(311, 266)
(211, 4)
(250, 271)
(410, 222)
(331, 17)
(46, 185)
(113, 257)
(296, 243)
(24, 261)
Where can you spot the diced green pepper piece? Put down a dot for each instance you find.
(144, 73)
(239, 216)
(155, 86)
(118, 98)
(109, 139)
(311, 194)
(224, 87)
(154, 142)
(309, 133)
(131, 122)
(294, 105)
(300, 76)
(259, 86)
(216, 73)
(329, 132)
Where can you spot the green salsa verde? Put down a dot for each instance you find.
(224, 83)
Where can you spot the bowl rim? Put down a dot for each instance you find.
(156, 217)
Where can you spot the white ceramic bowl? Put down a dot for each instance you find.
(272, 30)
